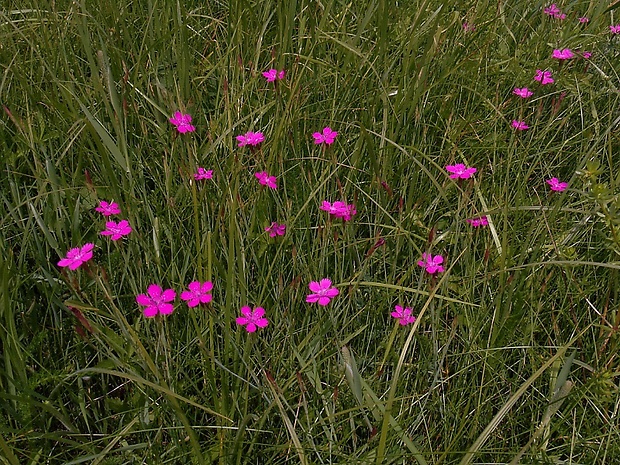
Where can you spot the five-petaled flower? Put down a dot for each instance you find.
(182, 122)
(276, 229)
(477, 222)
(563, 54)
(252, 319)
(156, 301)
(556, 185)
(339, 209)
(403, 315)
(460, 171)
(523, 93)
(519, 125)
(266, 180)
(78, 255)
(198, 293)
(108, 209)
(328, 136)
(544, 77)
(273, 74)
(203, 174)
(431, 264)
(116, 230)
(322, 292)
(250, 138)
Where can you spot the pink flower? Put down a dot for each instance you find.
(339, 209)
(544, 77)
(116, 231)
(108, 209)
(554, 11)
(276, 229)
(431, 264)
(520, 125)
(563, 54)
(250, 138)
(323, 292)
(182, 122)
(156, 301)
(615, 29)
(403, 315)
(252, 319)
(203, 174)
(556, 185)
(328, 136)
(460, 171)
(467, 27)
(586, 55)
(523, 93)
(78, 255)
(477, 222)
(266, 180)
(198, 293)
(584, 20)
(273, 74)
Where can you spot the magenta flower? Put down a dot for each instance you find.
(203, 174)
(615, 29)
(252, 319)
(116, 231)
(250, 138)
(108, 209)
(198, 293)
(477, 222)
(431, 264)
(156, 301)
(78, 255)
(586, 55)
(563, 54)
(467, 27)
(182, 122)
(339, 209)
(553, 10)
(273, 74)
(584, 20)
(276, 229)
(556, 185)
(403, 315)
(328, 136)
(519, 125)
(460, 171)
(523, 93)
(544, 77)
(266, 180)
(323, 292)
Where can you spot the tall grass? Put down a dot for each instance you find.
(513, 353)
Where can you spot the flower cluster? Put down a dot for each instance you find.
(156, 300)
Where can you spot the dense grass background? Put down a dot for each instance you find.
(514, 353)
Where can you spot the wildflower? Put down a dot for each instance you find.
(460, 171)
(553, 10)
(519, 125)
(198, 293)
(563, 54)
(276, 229)
(556, 185)
(182, 122)
(266, 180)
(584, 20)
(273, 74)
(523, 93)
(323, 292)
(544, 77)
(467, 27)
(108, 209)
(328, 136)
(78, 255)
(339, 209)
(252, 319)
(431, 264)
(250, 138)
(156, 301)
(403, 315)
(615, 29)
(116, 231)
(477, 222)
(586, 55)
(203, 174)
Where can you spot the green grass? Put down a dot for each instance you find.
(513, 356)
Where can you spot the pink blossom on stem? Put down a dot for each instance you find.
(250, 138)
(273, 74)
(339, 209)
(584, 20)
(182, 122)
(276, 229)
(556, 185)
(544, 77)
(266, 180)
(586, 55)
(615, 29)
(468, 27)
(477, 222)
(78, 255)
(554, 11)
(431, 264)
(519, 125)
(252, 319)
(116, 230)
(197, 293)
(563, 54)
(203, 174)
(156, 301)
(523, 93)
(460, 171)
(108, 209)
(403, 315)
(327, 136)
(322, 292)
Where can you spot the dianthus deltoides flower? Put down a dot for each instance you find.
(403, 315)
(266, 180)
(326, 137)
(116, 230)
(460, 171)
(563, 54)
(252, 319)
(250, 138)
(182, 122)
(431, 264)
(557, 185)
(273, 74)
(276, 229)
(156, 300)
(544, 77)
(322, 292)
(339, 209)
(78, 255)
(198, 293)
(108, 209)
